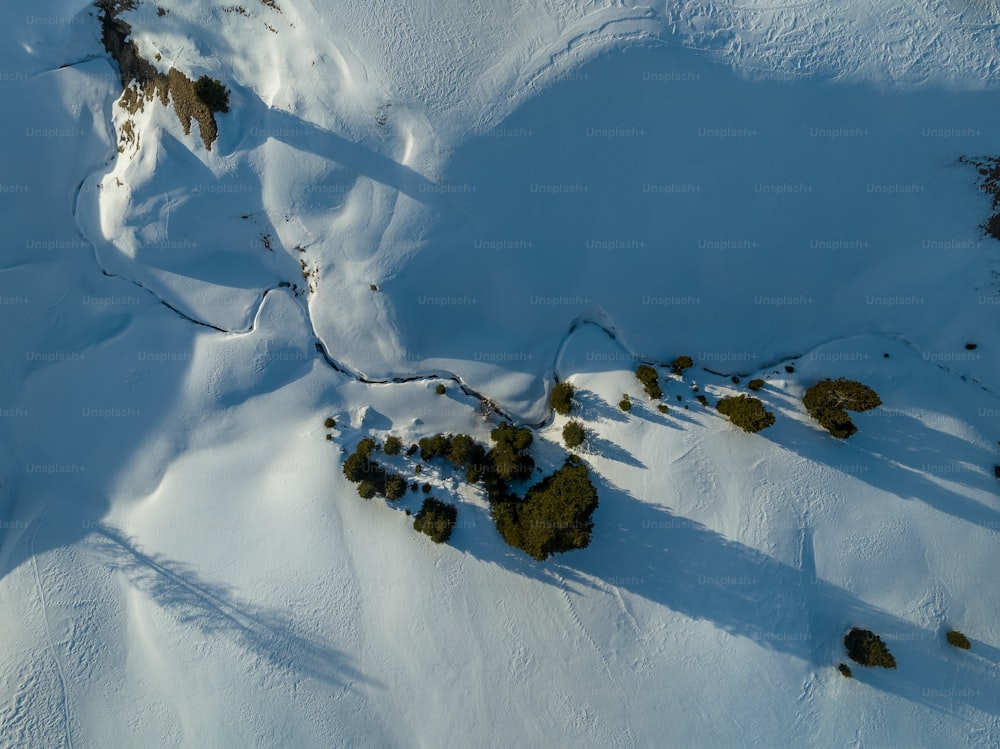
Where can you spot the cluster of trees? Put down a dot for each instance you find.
(745, 412)
(868, 649)
(828, 401)
(554, 516)
(436, 519)
(650, 381)
(372, 479)
(508, 460)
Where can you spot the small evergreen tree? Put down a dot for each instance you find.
(755, 384)
(395, 486)
(330, 422)
(959, 640)
(650, 381)
(573, 434)
(681, 363)
(436, 519)
(745, 412)
(393, 445)
(440, 389)
(845, 670)
(866, 647)
(625, 404)
(366, 447)
(366, 490)
(212, 93)
(561, 398)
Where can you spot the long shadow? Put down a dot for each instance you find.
(692, 570)
(896, 455)
(216, 611)
(311, 138)
(591, 407)
(609, 450)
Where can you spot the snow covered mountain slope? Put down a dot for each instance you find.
(485, 196)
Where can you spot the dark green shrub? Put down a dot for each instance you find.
(366, 447)
(361, 469)
(866, 647)
(681, 363)
(412, 450)
(789, 368)
(650, 381)
(573, 434)
(366, 490)
(392, 446)
(436, 519)
(663, 408)
(330, 422)
(702, 400)
(440, 389)
(212, 93)
(959, 640)
(828, 401)
(426, 488)
(745, 412)
(625, 404)
(845, 670)
(755, 384)
(735, 380)
(395, 486)
(561, 398)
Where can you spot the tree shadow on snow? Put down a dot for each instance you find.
(590, 407)
(604, 448)
(682, 565)
(215, 610)
(897, 455)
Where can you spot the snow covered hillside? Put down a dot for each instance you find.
(489, 197)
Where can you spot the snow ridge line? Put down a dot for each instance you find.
(48, 633)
